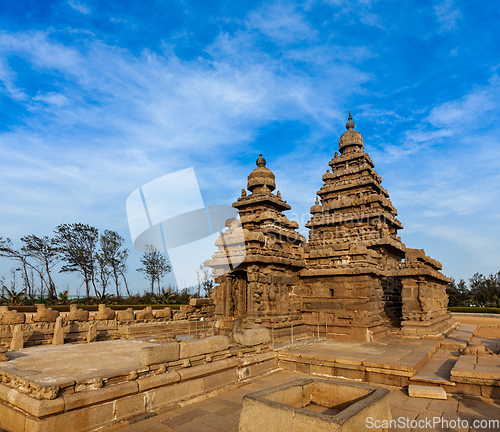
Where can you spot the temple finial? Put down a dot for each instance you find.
(261, 162)
(350, 124)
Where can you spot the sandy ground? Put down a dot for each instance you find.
(487, 327)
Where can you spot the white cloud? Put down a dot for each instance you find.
(118, 121)
(281, 22)
(79, 7)
(51, 98)
(7, 83)
(448, 15)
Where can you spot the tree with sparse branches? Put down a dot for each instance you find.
(154, 266)
(205, 280)
(114, 256)
(22, 257)
(77, 243)
(45, 252)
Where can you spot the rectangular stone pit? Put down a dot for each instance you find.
(316, 405)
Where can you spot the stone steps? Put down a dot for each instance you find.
(460, 337)
(437, 370)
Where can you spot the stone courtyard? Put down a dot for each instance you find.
(220, 412)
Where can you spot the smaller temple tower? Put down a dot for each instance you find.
(264, 289)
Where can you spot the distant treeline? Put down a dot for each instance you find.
(481, 291)
(100, 260)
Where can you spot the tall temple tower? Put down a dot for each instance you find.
(353, 247)
(354, 278)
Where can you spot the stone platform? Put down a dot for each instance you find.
(387, 361)
(81, 388)
(401, 362)
(93, 386)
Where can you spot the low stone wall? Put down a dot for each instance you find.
(42, 333)
(77, 322)
(170, 373)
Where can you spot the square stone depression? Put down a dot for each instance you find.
(317, 405)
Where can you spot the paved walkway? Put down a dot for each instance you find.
(222, 411)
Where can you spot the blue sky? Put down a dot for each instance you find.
(99, 98)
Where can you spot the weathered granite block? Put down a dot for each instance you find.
(17, 341)
(126, 315)
(204, 346)
(160, 380)
(161, 353)
(429, 392)
(198, 302)
(82, 399)
(92, 334)
(58, 338)
(252, 337)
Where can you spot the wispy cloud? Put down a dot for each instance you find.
(79, 7)
(448, 15)
(93, 112)
(281, 22)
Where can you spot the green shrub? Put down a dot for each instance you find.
(490, 310)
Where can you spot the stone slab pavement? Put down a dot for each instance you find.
(221, 412)
(55, 362)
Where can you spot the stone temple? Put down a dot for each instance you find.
(354, 279)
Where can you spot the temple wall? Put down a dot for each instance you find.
(350, 304)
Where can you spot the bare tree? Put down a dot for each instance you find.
(103, 271)
(154, 266)
(7, 250)
(205, 280)
(44, 251)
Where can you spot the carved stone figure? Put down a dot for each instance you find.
(145, 314)
(76, 314)
(44, 314)
(164, 313)
(11, 317)
(104, 313)
(125, 315)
